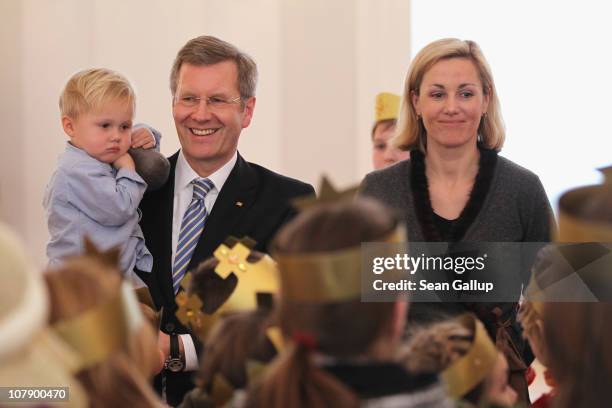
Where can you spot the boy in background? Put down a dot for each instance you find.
(386, 113)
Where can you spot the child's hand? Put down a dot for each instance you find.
(125, 162)
(142, 137)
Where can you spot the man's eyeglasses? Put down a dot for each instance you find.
(212, 102)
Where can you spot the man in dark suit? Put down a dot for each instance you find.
(210, 184)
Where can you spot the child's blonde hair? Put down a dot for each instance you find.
(90, 89)
(528, 316)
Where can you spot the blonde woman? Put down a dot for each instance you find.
(456, 187)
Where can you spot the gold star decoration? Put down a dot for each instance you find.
(190, 310)
(260, 277)
(231, 259)
(253, 278)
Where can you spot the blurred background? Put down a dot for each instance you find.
(321, 63)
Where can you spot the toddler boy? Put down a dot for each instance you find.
(95, 190)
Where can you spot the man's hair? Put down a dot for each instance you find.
(91, 89)
(208, 50)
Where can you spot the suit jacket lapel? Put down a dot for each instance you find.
(234, 200)
(164, 201)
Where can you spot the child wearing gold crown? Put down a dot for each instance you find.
(340, 351)
(31, 354)
(98, 317)
(462, 352)
(386, 112)
(232, 327)
(236, 352)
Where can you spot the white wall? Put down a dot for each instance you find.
(552, 68)
(12, 165)
(321, 64)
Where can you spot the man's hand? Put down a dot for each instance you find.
(125, 162)
(163, 344)
(142, 137)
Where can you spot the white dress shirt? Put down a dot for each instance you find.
(183, 194)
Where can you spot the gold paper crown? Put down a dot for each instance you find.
(585, 214)
(387, 106)
(253, 279)
(325, 276)
(469, 370)
(99, 332)
(327, 194)
(102, 330)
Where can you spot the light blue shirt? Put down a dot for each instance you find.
(88, 197)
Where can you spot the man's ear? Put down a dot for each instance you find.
(68, 125)
(249, 107)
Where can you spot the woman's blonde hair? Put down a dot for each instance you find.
(410, 130)
(91, 89)
(528, 316)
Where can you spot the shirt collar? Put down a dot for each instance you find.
(185, 174)
(72, 149)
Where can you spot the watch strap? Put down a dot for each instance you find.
(174, 346)
(174, 362)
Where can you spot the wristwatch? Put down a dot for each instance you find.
(174, 362)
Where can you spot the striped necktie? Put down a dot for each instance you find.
(191, 229)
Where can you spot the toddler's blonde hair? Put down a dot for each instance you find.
(90, 89)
